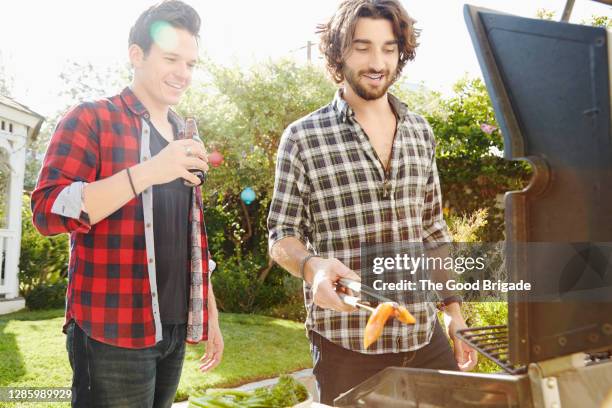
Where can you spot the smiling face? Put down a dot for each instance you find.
(164, 73)
(370, 67)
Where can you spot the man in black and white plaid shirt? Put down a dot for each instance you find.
(361, 170)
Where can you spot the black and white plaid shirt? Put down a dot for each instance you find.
(333, 194)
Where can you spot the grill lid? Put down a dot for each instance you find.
(550, 87)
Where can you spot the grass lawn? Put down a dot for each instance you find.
(33, 352)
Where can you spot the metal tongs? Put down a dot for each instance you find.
(358, 287)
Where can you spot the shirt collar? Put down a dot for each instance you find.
(132, 102)
(344, 110)
(137, 108)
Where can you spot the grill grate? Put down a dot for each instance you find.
(492, 342)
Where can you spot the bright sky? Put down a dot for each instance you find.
(38, 38)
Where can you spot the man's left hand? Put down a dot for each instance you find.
(214, 348)
(466, 356)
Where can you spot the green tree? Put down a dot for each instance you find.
(242, 113)
(599, 21)
(472, 172)
(595, 20)
(5, 178)
(544, 14)
(6, 85)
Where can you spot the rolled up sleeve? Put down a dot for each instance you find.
(288, 215)
(71, 161)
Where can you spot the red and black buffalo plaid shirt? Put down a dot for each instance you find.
(112, 290)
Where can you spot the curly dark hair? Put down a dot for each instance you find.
(337, 34)
(174, 12)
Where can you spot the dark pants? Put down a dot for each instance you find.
(337, 369)
(110, 376)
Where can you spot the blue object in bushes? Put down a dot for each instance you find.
(247, 195)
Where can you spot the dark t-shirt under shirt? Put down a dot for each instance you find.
(171, 202)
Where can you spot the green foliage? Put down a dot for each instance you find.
(478, 314)
(242, 114)
(472, 172)
(238, 287)
(459, 133)
(5, 179)
(466, 228)
(595, 20)
(43, 260)
(599, 21)
(44, 296)
(293, 306)
(35, 151)
(544, 14)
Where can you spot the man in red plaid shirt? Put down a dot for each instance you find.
(113, 177)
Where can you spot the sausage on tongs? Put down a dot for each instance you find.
(385, 309)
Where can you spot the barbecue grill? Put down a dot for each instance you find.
(550, 84)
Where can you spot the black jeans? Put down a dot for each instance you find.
(110, 376)
(337, 369)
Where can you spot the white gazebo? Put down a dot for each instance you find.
(17, 124)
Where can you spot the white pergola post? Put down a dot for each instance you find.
(17, 123)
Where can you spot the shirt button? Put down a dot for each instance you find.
(148, 225)
(153, 295)
(150, 260)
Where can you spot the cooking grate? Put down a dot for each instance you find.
(492, 342)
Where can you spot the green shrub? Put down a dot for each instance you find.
(478, 314)
(484, 312)
(293, 307)
(466, 228)
(239, 288)
(473, 173)
(51, 296)
(43, 260)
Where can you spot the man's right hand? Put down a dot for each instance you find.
(175, 161)
(323, 275)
